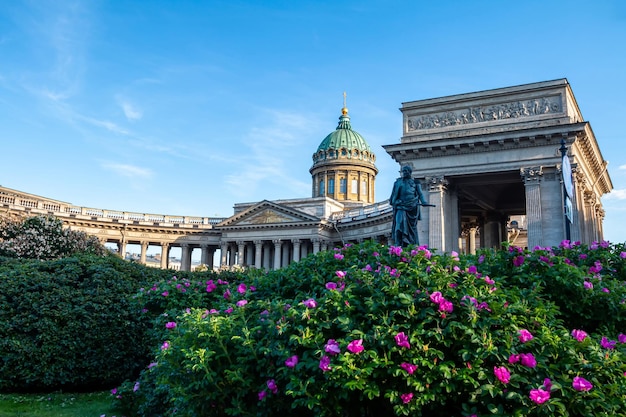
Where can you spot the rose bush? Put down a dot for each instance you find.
(369, 330)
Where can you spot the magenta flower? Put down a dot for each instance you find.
(356, 346)
(525, 336)
(621, 338)
(446, 306)
(472, 269)
(332, 347)
(489, 280)
(588, 285)
(528, 360)
(291, 361)
(502, 374)
(310, 303)
(241, 303)
(210, 286)
(165, 346)
(395, 250)
(513, 359)
(228, 310)
(114, 391)
(338, 256)
(227, 295)
(622, 255)
(325, 363)
(136, 386)
(331, 286)
(607, 344)
(581, 384)
(165, 293)
(170, 325)
(409, 367)
(262, 395)
(579, 334)
(271, 385)
(436, 297)
(241, 288)
(539, 396)
(406, 398)
(547, 384)
(340, 274)
(518, 260)
(402, 340)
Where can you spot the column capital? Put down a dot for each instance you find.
(437, 183)
(295, 241)
(531, 174)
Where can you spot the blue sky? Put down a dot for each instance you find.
(188, 107)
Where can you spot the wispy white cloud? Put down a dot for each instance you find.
(131, 112)
(616, 195)
(108, 125)
(622, 167)
(130, 171)
(270, 146)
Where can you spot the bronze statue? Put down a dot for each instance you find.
(406, 199)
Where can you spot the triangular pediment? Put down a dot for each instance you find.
(266, 213)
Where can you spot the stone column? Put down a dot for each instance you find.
(258, 250)
(204, 254)
(316, 245)
(224, 254)
(165, 255)
(575, 229)
(285, 258)
(472, 239)
(144, 249)
(437, 187)
(296, 249)
(266, 258)
(240, 248)
(324, 245)
(185, 257)
(121, 248)
(249, 258)
(532, 182)
(277, 245)
(590, 214)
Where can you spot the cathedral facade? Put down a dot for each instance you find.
(511, 162)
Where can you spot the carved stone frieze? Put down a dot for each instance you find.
(489, 113)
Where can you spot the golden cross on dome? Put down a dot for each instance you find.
(344, 111)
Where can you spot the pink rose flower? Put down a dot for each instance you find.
(291, 361)
(581, 384)
(502, 374)
(356, 346)
(525, 336)
(402, 340)
(539, 396)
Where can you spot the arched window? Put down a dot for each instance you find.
(343, 186)
(331, 186)
(321, 191)
(364, 188)
(354, 186)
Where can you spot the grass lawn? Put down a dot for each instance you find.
(58, 405)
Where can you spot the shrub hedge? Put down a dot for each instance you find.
(370, 330)
(71, 323)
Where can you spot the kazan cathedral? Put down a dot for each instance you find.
(517, 164)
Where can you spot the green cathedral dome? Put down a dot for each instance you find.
(344, 137)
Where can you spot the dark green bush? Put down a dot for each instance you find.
(232, 350)
(44, 237)
(71, 323)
